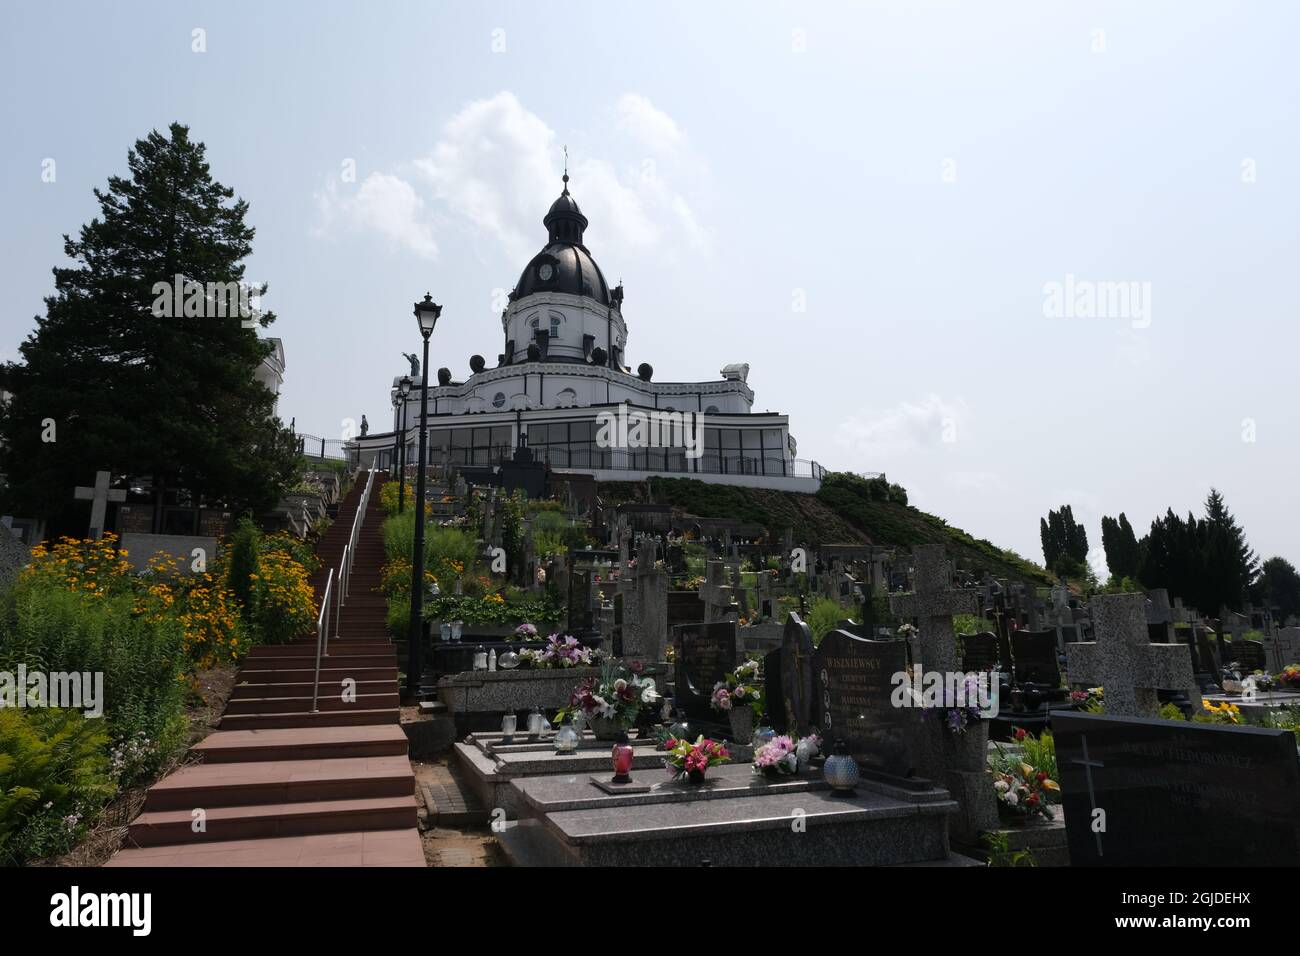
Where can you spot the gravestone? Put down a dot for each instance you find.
(717, 594)
(1172, 793)
(855, 680)
(1125, 662)
(933, 604)
(704, 654)
(99, 496)
(1160, 616)
(980, 652)
(791, 698)
(1249, 655)
(645, 621)
(1033, 658)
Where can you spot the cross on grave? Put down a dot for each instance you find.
(1125, 662)
(1087, 765)
(934, 603)
(99, 496)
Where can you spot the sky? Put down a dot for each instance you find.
(1012, 255)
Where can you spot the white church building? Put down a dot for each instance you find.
(562, 371)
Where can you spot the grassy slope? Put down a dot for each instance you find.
(836, 515)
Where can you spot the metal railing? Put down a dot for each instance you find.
(338, 584)
(322, 635)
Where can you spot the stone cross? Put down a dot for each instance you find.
(99, 496)
(645, 607)
(718, 596)
(1125, 662)
(933, 603)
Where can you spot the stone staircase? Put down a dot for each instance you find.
(279, 785)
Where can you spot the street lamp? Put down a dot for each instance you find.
(397, 435)
(426, 313)
(403, 390)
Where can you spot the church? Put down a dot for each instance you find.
(562, 376)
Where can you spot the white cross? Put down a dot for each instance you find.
(99, 496)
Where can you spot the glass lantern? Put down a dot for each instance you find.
(566, 738)
(763, 733)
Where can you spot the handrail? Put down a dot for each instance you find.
(349, 555)
(322, 635)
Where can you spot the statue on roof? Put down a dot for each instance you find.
(415, 363)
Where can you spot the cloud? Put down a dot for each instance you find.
(496, 167)
(649, 126)
(978, 482)
(383, 204)
(930, 422)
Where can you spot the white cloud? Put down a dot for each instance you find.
(930, 422)
(978, 482)
(648, 125)
(384, 204)
(496, 167)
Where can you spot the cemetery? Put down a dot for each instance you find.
(485, 633)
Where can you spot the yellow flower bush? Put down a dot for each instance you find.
(285, 601)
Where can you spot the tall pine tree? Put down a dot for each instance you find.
(169, 398)
(1065, 543)
(1121, 546)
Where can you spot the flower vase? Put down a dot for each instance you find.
(742, 724)
(606, 728)
(695, 777)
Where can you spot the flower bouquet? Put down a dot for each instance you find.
(1290, 677)
(1025, 792)
(739, 695)
(611, 702)
(525, 632)
(778, 757)
(558, 652)
(689, 761)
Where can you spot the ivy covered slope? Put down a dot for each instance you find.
(847, 510)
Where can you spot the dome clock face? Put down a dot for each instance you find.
(546, 272)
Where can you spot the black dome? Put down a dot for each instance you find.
(564, 265)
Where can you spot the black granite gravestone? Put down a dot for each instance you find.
(705, 654)
(1146, 792)
(1033, 658)
(791, 698)
(979, 652)
(855, 678)
(1249, 655)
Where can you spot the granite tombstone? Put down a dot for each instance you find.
(1150, 792)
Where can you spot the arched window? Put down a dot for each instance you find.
(711, 410)
(555, 327)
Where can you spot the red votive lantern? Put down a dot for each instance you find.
(622, 758)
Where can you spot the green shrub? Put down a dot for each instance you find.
(242, 565)
(823, 617)
(54, 774)
(544, 610)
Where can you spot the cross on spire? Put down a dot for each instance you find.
(566, 171)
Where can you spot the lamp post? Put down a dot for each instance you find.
(403, 389)
(426, 313)
(397, 435)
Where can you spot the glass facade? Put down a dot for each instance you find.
(482, 445)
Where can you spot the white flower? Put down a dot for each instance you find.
(648, 694)
(1000, 785)
(1011, 797)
